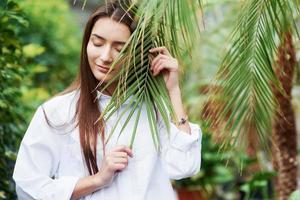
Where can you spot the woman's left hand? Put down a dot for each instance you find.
(166, 64)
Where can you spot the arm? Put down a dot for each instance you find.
(184, 144)
(168, 65)
(37, 162)
(181, 150)
(87, 185)
(175, 96)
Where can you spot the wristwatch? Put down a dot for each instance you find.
(182, 121)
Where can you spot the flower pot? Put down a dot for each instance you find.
(185, 194)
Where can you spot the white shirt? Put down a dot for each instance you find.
(50, 161)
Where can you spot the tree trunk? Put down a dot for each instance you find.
(284, 131)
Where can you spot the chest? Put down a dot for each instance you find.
(72, 160)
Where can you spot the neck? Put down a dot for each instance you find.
(110, 89)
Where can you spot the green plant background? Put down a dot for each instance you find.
(40, 43)
(39, 52)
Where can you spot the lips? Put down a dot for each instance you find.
(103, 69)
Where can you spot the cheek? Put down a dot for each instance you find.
(115, 54)
(121, 63)
(118, 67)
(91, 52)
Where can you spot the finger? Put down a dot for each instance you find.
(157, 58)
(120, 160)
(159, 68)
(164, 64)
(154, 68)
(120, 154)
(119, 166)
(112, 162)
(161, 49)
(129, 152)
(123, 148)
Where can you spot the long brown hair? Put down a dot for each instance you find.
(87, 110)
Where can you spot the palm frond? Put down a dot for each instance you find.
(167, 23)
(245, 77)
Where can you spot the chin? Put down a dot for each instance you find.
(103, 77)
(100, 76)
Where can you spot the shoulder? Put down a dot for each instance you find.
(64, 99)
(61, 107)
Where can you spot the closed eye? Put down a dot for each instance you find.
(97, 42)
(97, 45)
(119, 48)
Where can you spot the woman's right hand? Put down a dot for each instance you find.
(115, 161)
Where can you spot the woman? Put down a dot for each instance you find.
(61, 157)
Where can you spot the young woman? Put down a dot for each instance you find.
(61, 156)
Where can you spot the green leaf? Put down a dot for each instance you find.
(33, 50)
(161, 23)
(243, 85)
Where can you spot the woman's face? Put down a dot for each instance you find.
(106, 41)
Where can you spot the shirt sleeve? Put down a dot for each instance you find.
(37, 162)
(180, 151)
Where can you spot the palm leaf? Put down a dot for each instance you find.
(245, 77)
(160, 23)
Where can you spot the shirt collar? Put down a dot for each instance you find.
(101, 96)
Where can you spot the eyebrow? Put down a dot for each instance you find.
(114, 42)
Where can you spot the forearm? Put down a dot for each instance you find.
(175, 96)
(86, 185)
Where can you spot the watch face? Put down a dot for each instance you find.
(182, 121)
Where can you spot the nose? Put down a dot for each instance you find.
(106, 55)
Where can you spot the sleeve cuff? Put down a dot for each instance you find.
(182, 140)
(68, 183)
(61, 188)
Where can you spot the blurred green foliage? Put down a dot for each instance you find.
(52, 48)
(39, 55)
(227, 174)
(221, 175)
(12, 21)
(258, 184)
